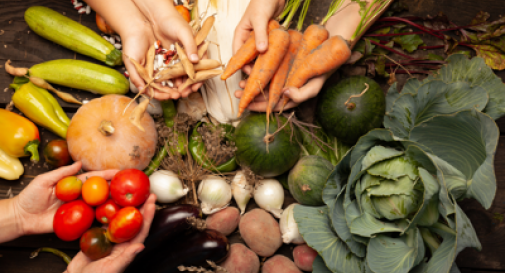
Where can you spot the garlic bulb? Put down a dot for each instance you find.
(154, 107)
(269, 195)
(219, 96)
(289, 228)
(214, 193)
(241, 190)
(193, 105)
(167, 186)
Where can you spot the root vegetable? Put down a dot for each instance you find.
(241, 260)
(265, 67)
(204, 31)
(330, 55)
(203, 49)
(241, 190)
(269, 195)
(15, 71)
(186, 63)
(313, 37)
(64, 96)
(138, 113)
(215, 194)
(224, 221)
(289, 227)
(260, 232)
(150, 61)
(246, 53)
(304, 257)
(177, 70)
(200, 77)
(278, 264)
(279, 79)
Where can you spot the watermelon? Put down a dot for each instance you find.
(349, 122)
(307, 180)
(283, 152)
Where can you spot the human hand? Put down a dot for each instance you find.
(256, 17)
(36, 205)
(122, 254)
(296, 95)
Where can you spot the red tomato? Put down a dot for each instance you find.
(56, 153)
(68, 188)
(72, 220)
(94, 244)
(95, 191)
(125, 225)
(130, 188)
(106, 211)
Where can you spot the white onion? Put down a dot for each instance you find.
(167, 186)
(289, 227)
(241, 190)
(215, 194)
(269, 195)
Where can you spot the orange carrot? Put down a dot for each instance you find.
(279, 79)
(330, 55)
(313, 36)
(265, 67)
(246, 53)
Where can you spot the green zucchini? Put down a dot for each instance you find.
(82, 75)
(71, 34)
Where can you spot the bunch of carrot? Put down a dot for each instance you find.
(291, 60)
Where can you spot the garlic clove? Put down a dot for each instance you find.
(289, 227)
(241, 190)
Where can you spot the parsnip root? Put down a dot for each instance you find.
(200, 77)
(186, 63)
(15, 71)
(138, 113)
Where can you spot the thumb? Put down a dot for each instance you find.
(52, 177)
(187, 39)
(121, 262)
(260, 34)
(294, 94)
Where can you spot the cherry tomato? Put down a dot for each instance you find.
(106, 211)
(130, 187)
(56, 153)
(94, 244)
(95, 191)
(68, 188)
(72, 220)
(125, 225)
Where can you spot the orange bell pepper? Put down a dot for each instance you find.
(18, 136)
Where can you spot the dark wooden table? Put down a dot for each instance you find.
(26, 48)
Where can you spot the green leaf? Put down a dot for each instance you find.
(431, 99)
(367, 225)
(377, 154)
(467, 141)
(486, 26)
(480, 18)
(403, 186)
(380, 65)
(384, 30)
(475, 72)
(395, 255)
(467, 53)
(383, 51)
(394, 169)
(455, 180)
(314, 225)
(333, 197)
(493, 56)
(409, 42)
(318, 266)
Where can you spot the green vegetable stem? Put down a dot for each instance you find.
(199, 153)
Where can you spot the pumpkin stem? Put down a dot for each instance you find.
(106, 128)
(269, 138)
(352, 105)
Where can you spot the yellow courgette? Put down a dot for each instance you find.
(71, 34)
(82, 75)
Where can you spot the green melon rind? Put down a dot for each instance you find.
(312, 171)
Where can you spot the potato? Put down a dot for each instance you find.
(260, 232)
(279, 264)
(224, 221)
(304, 257)
(241, 260)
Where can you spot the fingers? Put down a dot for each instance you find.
(247, 69)
(260, 34)
(107, 175)
(50, 179)
(185, 35)
(132, 71)
(308, 91)
(147, 210)
(120, 263)
(242, 32)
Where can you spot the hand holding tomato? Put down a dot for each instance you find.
(68, 188)
(72, 220)
(95, 191)
(106, 211)
(125, 225)
(122, 254)
(37, 203)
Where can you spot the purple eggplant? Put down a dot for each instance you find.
(194, 249)
(170, 222)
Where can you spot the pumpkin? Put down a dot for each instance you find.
(102, 137)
